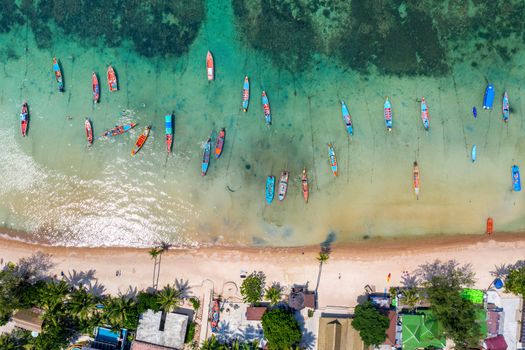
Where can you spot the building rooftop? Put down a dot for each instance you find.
(391, 331)
(338, 334)
(29, 319)
(496, 343)
(300, 298)
(167, 330)
(255, 313)
(138, 345)
(422, 331)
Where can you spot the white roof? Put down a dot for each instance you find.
(511, 308)
(171, 336)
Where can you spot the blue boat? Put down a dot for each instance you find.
(516, 182)
(506, 107)
(488, 99)
(332, 159)
(424, 114)
(266, 109)
(388, 114)
(270, 189)
(347, 119)
(474, 112)
(245, 94)
(473, 153)
(168, 126)
(206, 156)
(58, 75)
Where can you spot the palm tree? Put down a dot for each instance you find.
(82, 304)
(163, 247)
(323, 259)
(213, 344)
(154, 253)
(168, 298)
(117, 311)
(53, 295)
(411, 298)
(273, 294)
(8, 342)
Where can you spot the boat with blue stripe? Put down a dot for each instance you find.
(488, 99)
(347, 119)
(332, 159)
(506, 107)
(168, 126)
(388, 114)
(270, 189)
(206, 156)
(424, 114)
(516, 181)
(245, 94)
(473, 153)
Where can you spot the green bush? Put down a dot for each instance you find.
(280, 329)
(195, 302)
(190, 333)
(370, 324)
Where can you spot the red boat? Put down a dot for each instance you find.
(141, 140)
(220, 143)
(89, 131)
(118, 130)
(490, 226)
(304, 183)
(210, 69)
(112, 80)
(24, 119)
(96, 88)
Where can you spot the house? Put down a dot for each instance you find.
(255, 313)
(29, 319)
(337, 333)
(301, 298)
(240, 321)
(496, 343)
(505, 315)
(421, 331)
(160, 330)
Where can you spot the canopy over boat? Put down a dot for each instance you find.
(488, 99)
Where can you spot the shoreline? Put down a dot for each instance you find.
(343, 278)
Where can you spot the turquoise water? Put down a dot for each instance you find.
(58, 189)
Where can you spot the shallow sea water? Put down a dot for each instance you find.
(58, 189)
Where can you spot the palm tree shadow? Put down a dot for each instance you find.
(80, 278)
(131, 293)
(34, 267)
(96, 289)
(224, 332)
(183, 286)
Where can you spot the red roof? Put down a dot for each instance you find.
(255, 313)
(496, 343)
(391, 331)
(138, 345)
(309, 300)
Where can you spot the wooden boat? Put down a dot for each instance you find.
(387, 108)
(332, 159)
(516, 181)
(266, 109)
(488, 98)
(219, 145)
(270, 189)
(283, 185)
(89, 131)
(490, 226)
(215, 315)
(473, 153)
(141, 140)
(206, 156)
(118, 130)
(168, 125)
(24, 119)
(424, 114)
(506, 107)
(304, 183)
(112, 79)
(245, 94)
(96, 87)
(347, 119)
(415, 173)
(58, 75)
(210, 69)
(474, 112)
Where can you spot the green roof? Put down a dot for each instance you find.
(474, 295)
(421, 331)
(481, 318)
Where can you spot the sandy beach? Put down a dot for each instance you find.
(343, 278)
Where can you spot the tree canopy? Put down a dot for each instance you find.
(280, 329)
(515, 281)
(370, 324)
(252, 288)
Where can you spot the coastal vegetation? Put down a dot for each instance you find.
(281, 329)
(252, 288)
(515, 282)
(370, 324)
(158, 28)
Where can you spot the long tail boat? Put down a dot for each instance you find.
(304, 183)
(332, 159)
(347, 119)
(473, 153)
(266, 109)
(24, 119)
(168, 124)
(141, 140)
(118, 130)
(424, 114)
(283, 185)
(219, 145)
(488, 98)
(490, 226)
(506, 107)
(516, 181)
(206, 156)
(96, 87)
(246, 94)
(415, 173)
(112, 79)
(58, 75)
(210, 69)
(388, 114)
(89, 131)
(270, 189)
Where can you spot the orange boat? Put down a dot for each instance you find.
(209, 66)
(416, 179)
(112, 80)
(96, 87)
(304, 182)
(141, 140)
(490, 226)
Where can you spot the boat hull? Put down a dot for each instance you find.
(332, 159)
(118, 130)
(304, 185)
(516, 181)
(415, 179)
(505, 107)
(24, 119)
(283, 185)
(488, 98)
(219, 145)
(89, 131)
(96, 88)
(210, 68)
(245, 94)
(387, 108)
(270, 189)
(206, 157)
(58, 75)
(424, 114)
(141, 140)
(347, 119)
(266, 109)
(473, 153)
(168, 127)
(112, 80)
